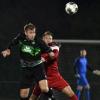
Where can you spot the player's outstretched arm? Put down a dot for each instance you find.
(12, 43)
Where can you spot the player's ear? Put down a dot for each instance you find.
(25, 33)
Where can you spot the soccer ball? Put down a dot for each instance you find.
(71, 8)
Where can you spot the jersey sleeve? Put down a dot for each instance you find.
(14, 41)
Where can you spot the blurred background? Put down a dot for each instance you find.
(50, 15)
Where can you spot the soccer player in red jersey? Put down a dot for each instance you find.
(55, 80)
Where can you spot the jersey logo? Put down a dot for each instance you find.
(30, 50)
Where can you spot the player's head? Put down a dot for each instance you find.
(30, 31)
(83, 52)
(47, 37)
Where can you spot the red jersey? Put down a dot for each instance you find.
(52, 65)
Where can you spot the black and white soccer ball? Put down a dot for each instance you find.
(71, 8)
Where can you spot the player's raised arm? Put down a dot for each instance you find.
(13, 42)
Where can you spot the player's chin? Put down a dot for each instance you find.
(31, 38)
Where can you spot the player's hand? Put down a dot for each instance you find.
(77, 75)
(6, 53)
(43, 59)
(96, 72)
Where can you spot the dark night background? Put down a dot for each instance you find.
(49, 15)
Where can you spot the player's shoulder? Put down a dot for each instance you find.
(77, 59)
(19, 36)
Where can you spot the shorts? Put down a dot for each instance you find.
(56, 82)
(31, 74)
(82, 81)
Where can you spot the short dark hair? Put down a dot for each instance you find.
(29, 26)
(47, 33)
